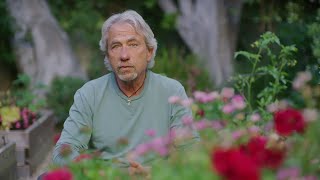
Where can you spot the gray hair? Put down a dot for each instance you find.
(140, 25)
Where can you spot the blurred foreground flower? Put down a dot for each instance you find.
(264, 156)
(59, 174)
(233, 164)
(301, 79)
(288, 121)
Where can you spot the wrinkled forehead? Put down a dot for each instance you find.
(123, 29)
(127, 23)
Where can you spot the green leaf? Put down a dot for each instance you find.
(248, 55)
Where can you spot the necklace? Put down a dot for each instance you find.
(135, 92)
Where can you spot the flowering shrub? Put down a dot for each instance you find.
(235, 143)
(242, 146)
(277, 139)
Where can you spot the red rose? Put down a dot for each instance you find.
(287, 121)
(59, 174)
(274, 158)
(256, 149)
(264, 157)
(233, 164)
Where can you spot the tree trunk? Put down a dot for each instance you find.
(209, 28)
(42, 48)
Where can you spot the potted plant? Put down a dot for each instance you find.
(24, 122)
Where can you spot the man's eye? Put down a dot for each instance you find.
(115, 46)
(133, 45)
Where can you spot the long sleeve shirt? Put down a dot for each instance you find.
(110, 116)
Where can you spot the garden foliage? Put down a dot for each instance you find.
(60, 96)
(237, 140)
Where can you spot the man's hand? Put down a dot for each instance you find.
(137, 169)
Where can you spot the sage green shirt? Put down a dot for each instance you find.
(102, 108)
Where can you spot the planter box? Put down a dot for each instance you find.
(32, 144)
(8, 161)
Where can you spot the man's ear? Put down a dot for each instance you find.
(149, 55)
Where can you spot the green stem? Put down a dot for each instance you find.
(249, 84)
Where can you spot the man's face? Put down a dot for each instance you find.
(127, 52)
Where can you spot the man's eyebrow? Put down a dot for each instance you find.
(132, 39)
(114, 42)
(129, 40)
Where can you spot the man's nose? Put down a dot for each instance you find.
(124, 54)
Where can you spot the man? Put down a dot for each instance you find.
(126, 102)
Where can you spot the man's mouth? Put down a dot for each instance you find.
(125, 67)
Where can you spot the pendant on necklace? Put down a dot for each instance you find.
(129, 101)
